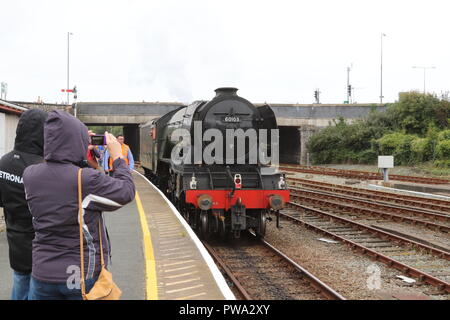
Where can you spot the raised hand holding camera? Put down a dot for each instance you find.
(114, 147)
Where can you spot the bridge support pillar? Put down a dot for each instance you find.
(131, 135)
(305, 134)
(289, 144)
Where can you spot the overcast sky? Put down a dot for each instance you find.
(274, 51)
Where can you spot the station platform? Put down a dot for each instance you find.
(442, 189)
(155, 254)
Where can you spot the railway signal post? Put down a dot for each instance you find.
(384, 163)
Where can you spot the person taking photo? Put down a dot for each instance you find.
(52, 194)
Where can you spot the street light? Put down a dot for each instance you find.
(424, 71)
(68, 42)
(4, 90)
(349, 93)
(381, 85)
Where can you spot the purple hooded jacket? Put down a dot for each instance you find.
(52, 195)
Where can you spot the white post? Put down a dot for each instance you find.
(384, 163)
(385, 174)
(2, 134)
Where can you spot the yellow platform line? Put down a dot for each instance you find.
(150, 264)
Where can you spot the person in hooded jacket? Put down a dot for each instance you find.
(28, 150)
(52, 194)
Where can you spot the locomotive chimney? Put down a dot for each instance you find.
(226, 90)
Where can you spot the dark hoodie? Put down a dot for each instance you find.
(52, 195)
(28, 150)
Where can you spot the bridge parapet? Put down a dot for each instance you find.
(287, 114)
(45, 106)
(123, 112)
(324, 111)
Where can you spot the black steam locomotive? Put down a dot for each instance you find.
(208, 159)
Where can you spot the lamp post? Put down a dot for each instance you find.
(68, 56)
(4, 90)
(424, 74)
(349, 93)
(381, 73)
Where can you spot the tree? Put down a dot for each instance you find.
(409, 129)
(415, 111)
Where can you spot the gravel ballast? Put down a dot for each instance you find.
(349, 273)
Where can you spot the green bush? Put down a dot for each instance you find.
(399, 145)
(410, 129)
(443, 150)
(387, 144)
(421, 149)
(348, 143)
(368, 156)
(415, 111)
(444, 135)
(442, 163)
(319, 145)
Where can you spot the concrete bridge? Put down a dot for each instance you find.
(297, 122)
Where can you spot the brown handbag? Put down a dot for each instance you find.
(104, 288)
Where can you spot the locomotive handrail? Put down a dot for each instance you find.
(258, 171)
(232, 181)
(211, 182)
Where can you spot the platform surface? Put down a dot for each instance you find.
(170, 263)
(182, 271)
(442, 189)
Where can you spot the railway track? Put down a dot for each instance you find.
(354, 205)
(432, 204)
(355, 174)
(258, 271)
(425, 263)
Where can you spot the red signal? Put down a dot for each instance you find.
(237, 181)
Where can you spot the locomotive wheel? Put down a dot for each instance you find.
(185, 212)
(193, 218)
(215, 222)
(261, 232)
(221, 227)
(203, 225)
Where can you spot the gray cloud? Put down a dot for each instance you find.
(182, 50)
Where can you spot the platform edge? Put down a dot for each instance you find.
(217, 275)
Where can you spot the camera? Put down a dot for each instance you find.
(98, 140)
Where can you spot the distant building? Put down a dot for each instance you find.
(9, 118)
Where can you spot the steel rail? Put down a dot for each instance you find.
(395, 214)
(404, 235)
(435, 205)
(425, 213)
(359, 174)
(390, 236)
(422, 276)
(325, 290)
(228, 272)
(360, 210)
(369, 174)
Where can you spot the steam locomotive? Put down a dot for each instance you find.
(211, 158)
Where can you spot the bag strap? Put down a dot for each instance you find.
(101, 246)
(80, 223)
